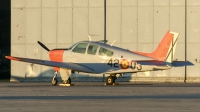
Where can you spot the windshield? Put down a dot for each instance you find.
(72, 46)
(80, 48)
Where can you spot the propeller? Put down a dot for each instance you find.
(41, 44)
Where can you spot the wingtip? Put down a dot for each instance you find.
(11, 58)
(7, 57)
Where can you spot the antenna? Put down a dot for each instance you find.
(112, 43)
(89, 37)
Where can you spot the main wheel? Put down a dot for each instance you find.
(67, 81)
(110, 80)
(54, 81)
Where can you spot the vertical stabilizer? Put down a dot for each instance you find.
(166, 48)
(161, 51)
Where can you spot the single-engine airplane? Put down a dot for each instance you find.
(101, 58)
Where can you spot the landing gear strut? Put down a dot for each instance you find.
(54, 81)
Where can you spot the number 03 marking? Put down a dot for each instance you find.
(135, 65)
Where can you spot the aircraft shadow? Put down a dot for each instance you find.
(46, 76)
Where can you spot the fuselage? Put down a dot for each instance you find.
(103, 58)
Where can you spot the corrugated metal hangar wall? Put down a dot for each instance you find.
(134, 24)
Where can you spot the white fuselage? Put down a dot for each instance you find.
(122, 60)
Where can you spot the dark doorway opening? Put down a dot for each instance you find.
(5, 31)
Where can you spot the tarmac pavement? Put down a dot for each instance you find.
(96, 97)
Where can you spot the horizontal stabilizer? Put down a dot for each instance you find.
(181, 63)
(162, 63)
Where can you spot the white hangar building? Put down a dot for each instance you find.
(135, 25)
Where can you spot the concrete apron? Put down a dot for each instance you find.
(121, 79)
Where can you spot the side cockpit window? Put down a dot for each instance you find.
(92, 49)
(80, 48)
(105, 52)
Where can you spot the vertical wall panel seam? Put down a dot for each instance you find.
(88, 18)
(56, 22)
(25, 29)
(41, 33)
(137, 30)
(120, 23)
(41, 26)
(153, 26)
(169, 29)
(72, 20)
(41, 22)
(169, 15)
(104, 21)
(11, 66)
(153, 32)
(185, 40)
(25, 44)
(104, 29)
(137, 26)
(11, 35)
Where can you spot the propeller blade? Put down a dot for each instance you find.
(41, 44)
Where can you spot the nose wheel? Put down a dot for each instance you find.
(54, 81)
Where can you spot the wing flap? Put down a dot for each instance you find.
(71, 66)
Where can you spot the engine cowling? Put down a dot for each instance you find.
(57, 56)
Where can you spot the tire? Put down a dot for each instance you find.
(67, 81)
(110, 80)
(114, 78)
(54, 81)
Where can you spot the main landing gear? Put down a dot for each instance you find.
(110, 80)
(54, 81)
(67, 81)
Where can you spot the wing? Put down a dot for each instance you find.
(71, 66)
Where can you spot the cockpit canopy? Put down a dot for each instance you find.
(90, 49)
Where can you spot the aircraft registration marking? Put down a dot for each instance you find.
(124, 64)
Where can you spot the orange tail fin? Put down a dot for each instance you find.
(166, 49)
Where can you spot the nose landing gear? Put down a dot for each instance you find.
(54, 81)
